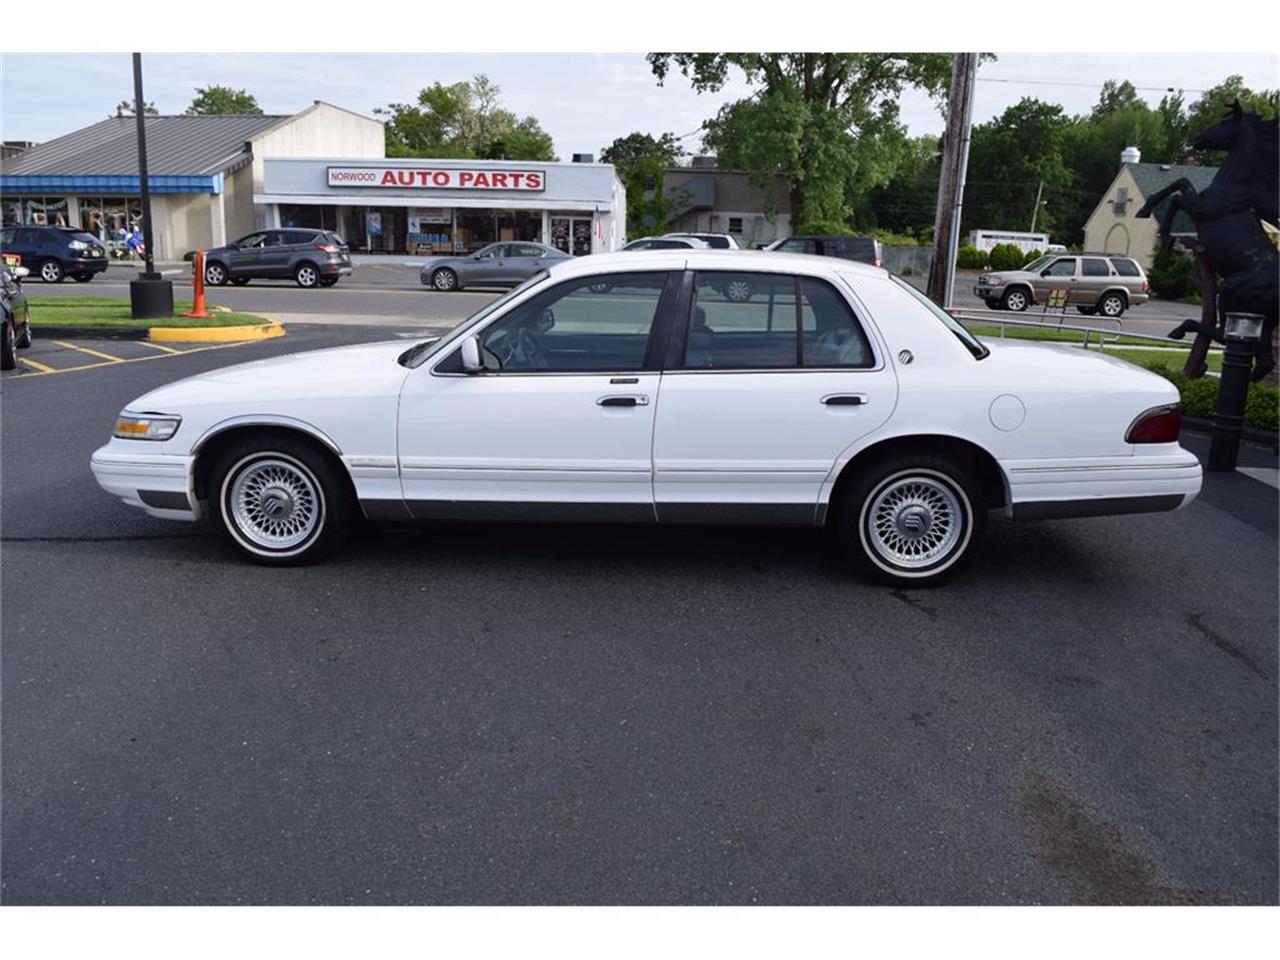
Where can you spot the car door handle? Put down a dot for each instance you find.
(623, 401)
(845, 399)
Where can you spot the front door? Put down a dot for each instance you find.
(559, 425)
(249, 257)
(775, 380)
(1059, 275)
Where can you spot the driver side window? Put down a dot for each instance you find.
(591, 324)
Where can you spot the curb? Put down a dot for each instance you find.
(257, 331)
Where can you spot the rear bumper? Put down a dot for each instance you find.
(89, 265)
(160, 484)
(333, 269)
(1042, 489)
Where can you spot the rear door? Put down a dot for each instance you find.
(761, 396)
(1095, 276)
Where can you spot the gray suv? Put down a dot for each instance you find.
(1093, 283)
(311, 258)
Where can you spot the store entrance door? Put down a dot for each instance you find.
(571, 235)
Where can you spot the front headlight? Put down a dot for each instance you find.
(79, 245)
(130, 426)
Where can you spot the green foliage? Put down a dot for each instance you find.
(971, 258)
(1200, 397)
(826, 228)
(125, 109)
(1031, 255)
(1005, 256)
(463, 120)
(1171, 274)
(641, 161)
(826, 123)
(214, 100)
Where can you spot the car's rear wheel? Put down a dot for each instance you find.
(51, 271)
(306, 276)
(739, 291)
(279, 500)
(1015, 298)
(8, 350)
(444, 279)
(911, 519)
(215, 274)
(1111, 305)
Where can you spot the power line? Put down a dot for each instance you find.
(1077, 83)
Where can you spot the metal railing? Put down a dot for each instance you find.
(1003, 320)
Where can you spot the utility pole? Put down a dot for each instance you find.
(1036, 209)
(955, 165)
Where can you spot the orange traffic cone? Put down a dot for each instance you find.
(197, 306)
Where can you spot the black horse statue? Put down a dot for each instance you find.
(1230, 241)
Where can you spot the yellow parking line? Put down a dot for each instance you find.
(92, 353)
(38, 365)
(46, 371)
(158, 346)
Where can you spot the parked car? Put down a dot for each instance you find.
(861, 249)
(52, 253)
(716, 241)
(15, 318)
(881, 417)
(1095, 283)
(497, 265)
(667, 243)
(311, 258)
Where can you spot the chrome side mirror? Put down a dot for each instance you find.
(471, 355)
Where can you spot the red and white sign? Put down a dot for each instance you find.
(423, 178)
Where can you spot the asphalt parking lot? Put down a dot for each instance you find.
(552, 714)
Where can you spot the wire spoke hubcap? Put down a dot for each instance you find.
(275, 504)
(914, 522)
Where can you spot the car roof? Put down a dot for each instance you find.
(756, 261)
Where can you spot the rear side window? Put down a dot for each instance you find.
(748, 321)
(797, 245)
(1094, 267)
(720, 243)
(1126, 268)
(299, 236)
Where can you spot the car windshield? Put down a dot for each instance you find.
(972, 343)
(419, 351)
(1038, 263)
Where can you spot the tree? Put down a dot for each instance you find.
(214, 100)
(125, 109)
(463, 120)
(1213, 106)
(818, 120)
(641, 161)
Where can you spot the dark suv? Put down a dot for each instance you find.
(311, 258)
(862, 249)
(52, 253)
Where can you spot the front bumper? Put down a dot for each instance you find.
(161, 484)
(1145, 483)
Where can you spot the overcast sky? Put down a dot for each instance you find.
(583, 100)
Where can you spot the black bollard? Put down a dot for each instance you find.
(1241, 330)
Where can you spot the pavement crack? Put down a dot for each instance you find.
(1225, 645)
(913, 603)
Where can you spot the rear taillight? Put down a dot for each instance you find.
(875, 262)
(327, 247)
(1146, 287)
(1157, 425)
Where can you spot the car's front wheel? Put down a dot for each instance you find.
(23, 339)
(444, 279)
(215, 274)
(910, 520)
(1016, 299)
(51, 271)
(280, 500)
(738, 291)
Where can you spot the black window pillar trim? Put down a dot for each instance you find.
(680, 314)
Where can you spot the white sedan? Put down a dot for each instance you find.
(629, 387)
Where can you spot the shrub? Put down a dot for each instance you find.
(1031, 255)
(827, 228)
(971, 258)
(1171, 274)
(1005, 256)
(1200, 397)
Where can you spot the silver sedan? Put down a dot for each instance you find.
(497, 265)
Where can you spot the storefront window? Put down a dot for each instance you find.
(476, 228)
(311, 216)
(110, 218)
(37, 211)
(430, 231)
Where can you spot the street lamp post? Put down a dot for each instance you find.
(150, 296)
(1240, 330)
